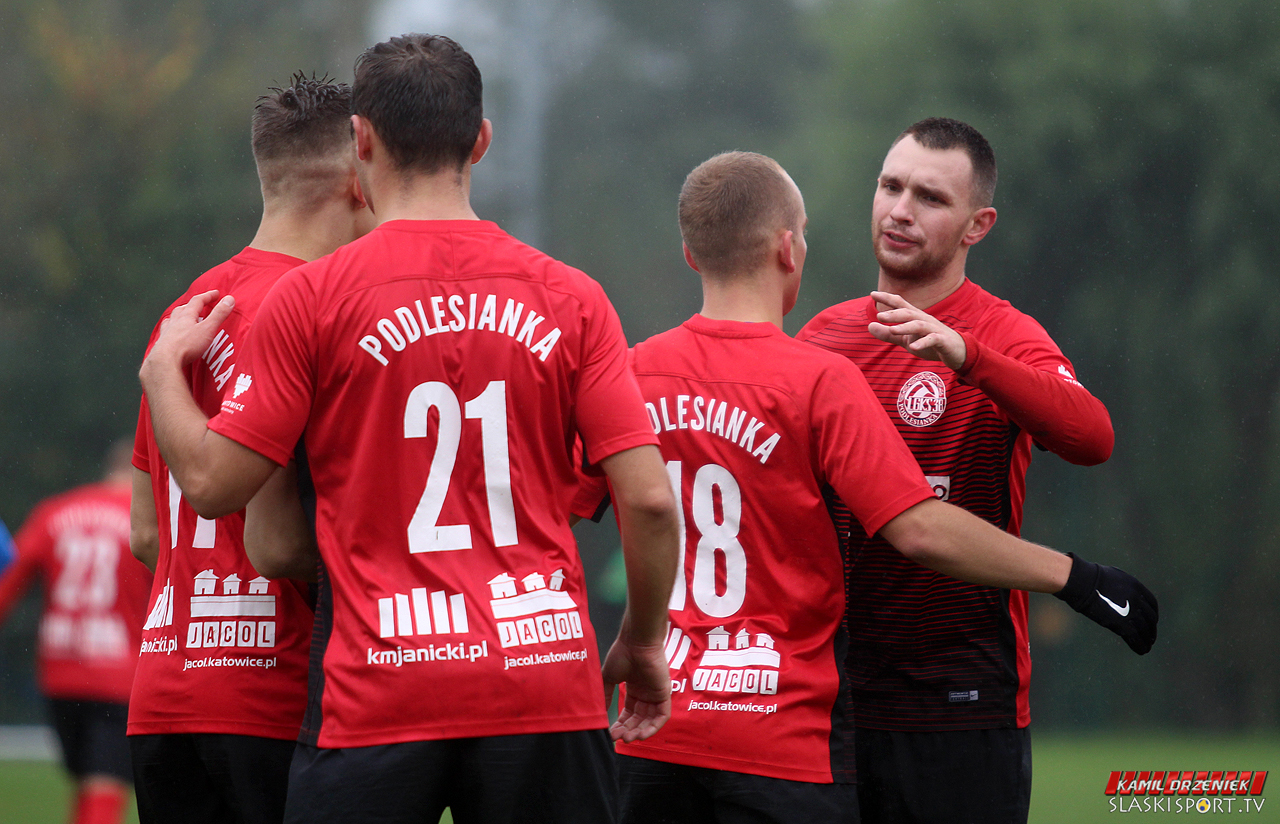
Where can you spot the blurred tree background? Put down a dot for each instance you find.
(1139, 200)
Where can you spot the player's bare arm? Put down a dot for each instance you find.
(277, 534)
(144, 531)
(217, 475)
(646, 508)
(917, 331)
(955, 542)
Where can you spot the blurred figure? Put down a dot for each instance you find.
(7, 550)
(95, 596)
(222, 680)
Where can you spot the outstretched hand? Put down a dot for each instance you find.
(648, 697)
(185, 334)
(917, 331)
(1114, 599)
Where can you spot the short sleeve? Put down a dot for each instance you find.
(267, 403)
(608, 406)
(859, 453)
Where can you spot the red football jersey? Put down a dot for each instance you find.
(224, 650)
(441, 370)
(95, 592)
(929, 652)
(756, 428)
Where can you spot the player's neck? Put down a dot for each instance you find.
(306, 236)
(443, 195)
(923, 291)
(745, 300)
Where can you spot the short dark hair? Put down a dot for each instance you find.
(422, 94)
(298, 130)
(730, 206)
(942, 133)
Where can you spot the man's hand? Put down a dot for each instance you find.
(648, 702)
(1115, 599)
(917, 331)
(185, 334)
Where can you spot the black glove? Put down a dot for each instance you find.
(1115, 599)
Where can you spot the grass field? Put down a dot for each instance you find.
(1070, 775)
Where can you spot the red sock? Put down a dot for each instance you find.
(100, 805)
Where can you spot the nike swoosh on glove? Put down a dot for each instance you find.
(1115, 599)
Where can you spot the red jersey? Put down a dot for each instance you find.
(756, 427)
(441, 370)
(929, 652)
(95, 592)
(224, 650)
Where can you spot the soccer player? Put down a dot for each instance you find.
(222, 676)
(95, 596)
(441, 371)
(757, 428)
(940, 668)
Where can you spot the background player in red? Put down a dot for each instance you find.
(757, 428)
(222, 676)
(940, 667)
(441, 370)
(95, 597)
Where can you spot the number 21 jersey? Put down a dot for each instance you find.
(441, 370)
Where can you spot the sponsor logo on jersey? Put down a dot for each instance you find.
(923, 399)
(243, 382)
(443, 652)
(748, 664)
(941, 486)
(1068, 377)
(242, 617)
(542, 613)
(1179, 791)
(418, 612)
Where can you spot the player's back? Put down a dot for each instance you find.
(224, 650)
(449, 366)
(754, 427)
(95, 592)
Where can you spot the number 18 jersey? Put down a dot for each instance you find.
(440, 370)
(757, 429)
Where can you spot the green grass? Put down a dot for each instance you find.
(1071, 773)
(38, 792)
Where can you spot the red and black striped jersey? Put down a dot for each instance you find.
(929, 652)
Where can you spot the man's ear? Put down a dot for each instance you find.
(979, 225)
(365, 137)
(483, 140)
(688, 258)
(786, 251)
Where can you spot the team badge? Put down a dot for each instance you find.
(923, 399)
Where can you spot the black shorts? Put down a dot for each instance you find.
(92, 734)
(556, 778)
(210, 778)
(655, 792)
(959, 776)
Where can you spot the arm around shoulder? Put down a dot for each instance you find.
(278, 537)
